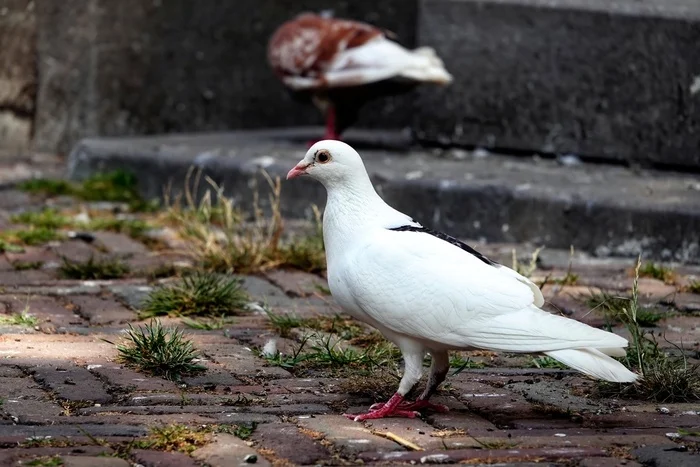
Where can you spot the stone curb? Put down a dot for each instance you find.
(600, 209)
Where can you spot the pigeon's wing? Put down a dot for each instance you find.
(421, 286)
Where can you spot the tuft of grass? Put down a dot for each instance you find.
(207, 324)
(33, 235)
(657, 271)
(346, 328)
(284, 323)
(307, 253)
(222, 241)
(526, 269)
(7, 247)
(198, 294)
(27, 265)
(664, 377)
(20, 319)
(461, 364)
(648, 317)
(377, 386)
(93, 269)
(48, 218)
(330, 352)
(174, 437)
(135, 228)
(48, 187)
(242, 431)
(547, 362)
(115, 186)
(570, 278)
(46, 461)
(693, 287)
(159, 351)
(611, 306)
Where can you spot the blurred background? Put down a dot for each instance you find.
(616, 83)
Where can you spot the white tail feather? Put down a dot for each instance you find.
(594, 363)
(382, 58)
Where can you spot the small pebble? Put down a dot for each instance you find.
(250, 459)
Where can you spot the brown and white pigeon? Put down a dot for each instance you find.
(340, 65)
(430, 293)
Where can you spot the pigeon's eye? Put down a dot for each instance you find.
(323, 157)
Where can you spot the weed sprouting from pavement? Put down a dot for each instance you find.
(664, 377)
(694, 287)
(528, 269)
(48, 218)
(174, 438)
(159, 351)
(222, 240)
(207, 324)
(198, 294)
(48, 187)
(307, 253)
(93, 269)
(19, 319)
(12, 240)
(570, 278)
(7, 246)
(330, 352)
(547, 362)
(116, 186)
(657, 271)
(283, 323)
(46, 461)
(27, 265)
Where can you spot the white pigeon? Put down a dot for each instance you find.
(428, 292)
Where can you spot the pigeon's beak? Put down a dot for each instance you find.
(298, 170)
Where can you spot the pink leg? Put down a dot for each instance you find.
(330, 132)
(389, 409)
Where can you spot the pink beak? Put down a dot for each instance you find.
(298, 170)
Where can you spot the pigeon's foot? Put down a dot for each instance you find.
(388, 409)
(417, 405)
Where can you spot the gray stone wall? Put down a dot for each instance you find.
(135, 66)
(17, 72)
(611, 80)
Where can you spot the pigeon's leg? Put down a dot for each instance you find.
(331, 132)
(327, 108)
(413, 370)
(438, 372)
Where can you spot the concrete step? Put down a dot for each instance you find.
(616, 80)
(601, 209)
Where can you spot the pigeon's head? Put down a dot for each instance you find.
(330, 162)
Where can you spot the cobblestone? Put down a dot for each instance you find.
(60, 379)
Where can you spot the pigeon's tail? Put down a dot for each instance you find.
(381, 59)
(595, 362)
(427, 67)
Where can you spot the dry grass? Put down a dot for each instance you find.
(664, 377)
(222, 240)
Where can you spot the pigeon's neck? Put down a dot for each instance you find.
(355, 209)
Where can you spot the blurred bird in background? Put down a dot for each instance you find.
(340, 65)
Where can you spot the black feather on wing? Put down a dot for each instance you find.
(448, 238)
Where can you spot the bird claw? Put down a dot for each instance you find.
(374, 414)
(414, 406)
(391, 408)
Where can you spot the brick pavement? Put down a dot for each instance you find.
(66, 399)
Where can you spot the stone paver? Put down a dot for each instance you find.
(61, 382)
